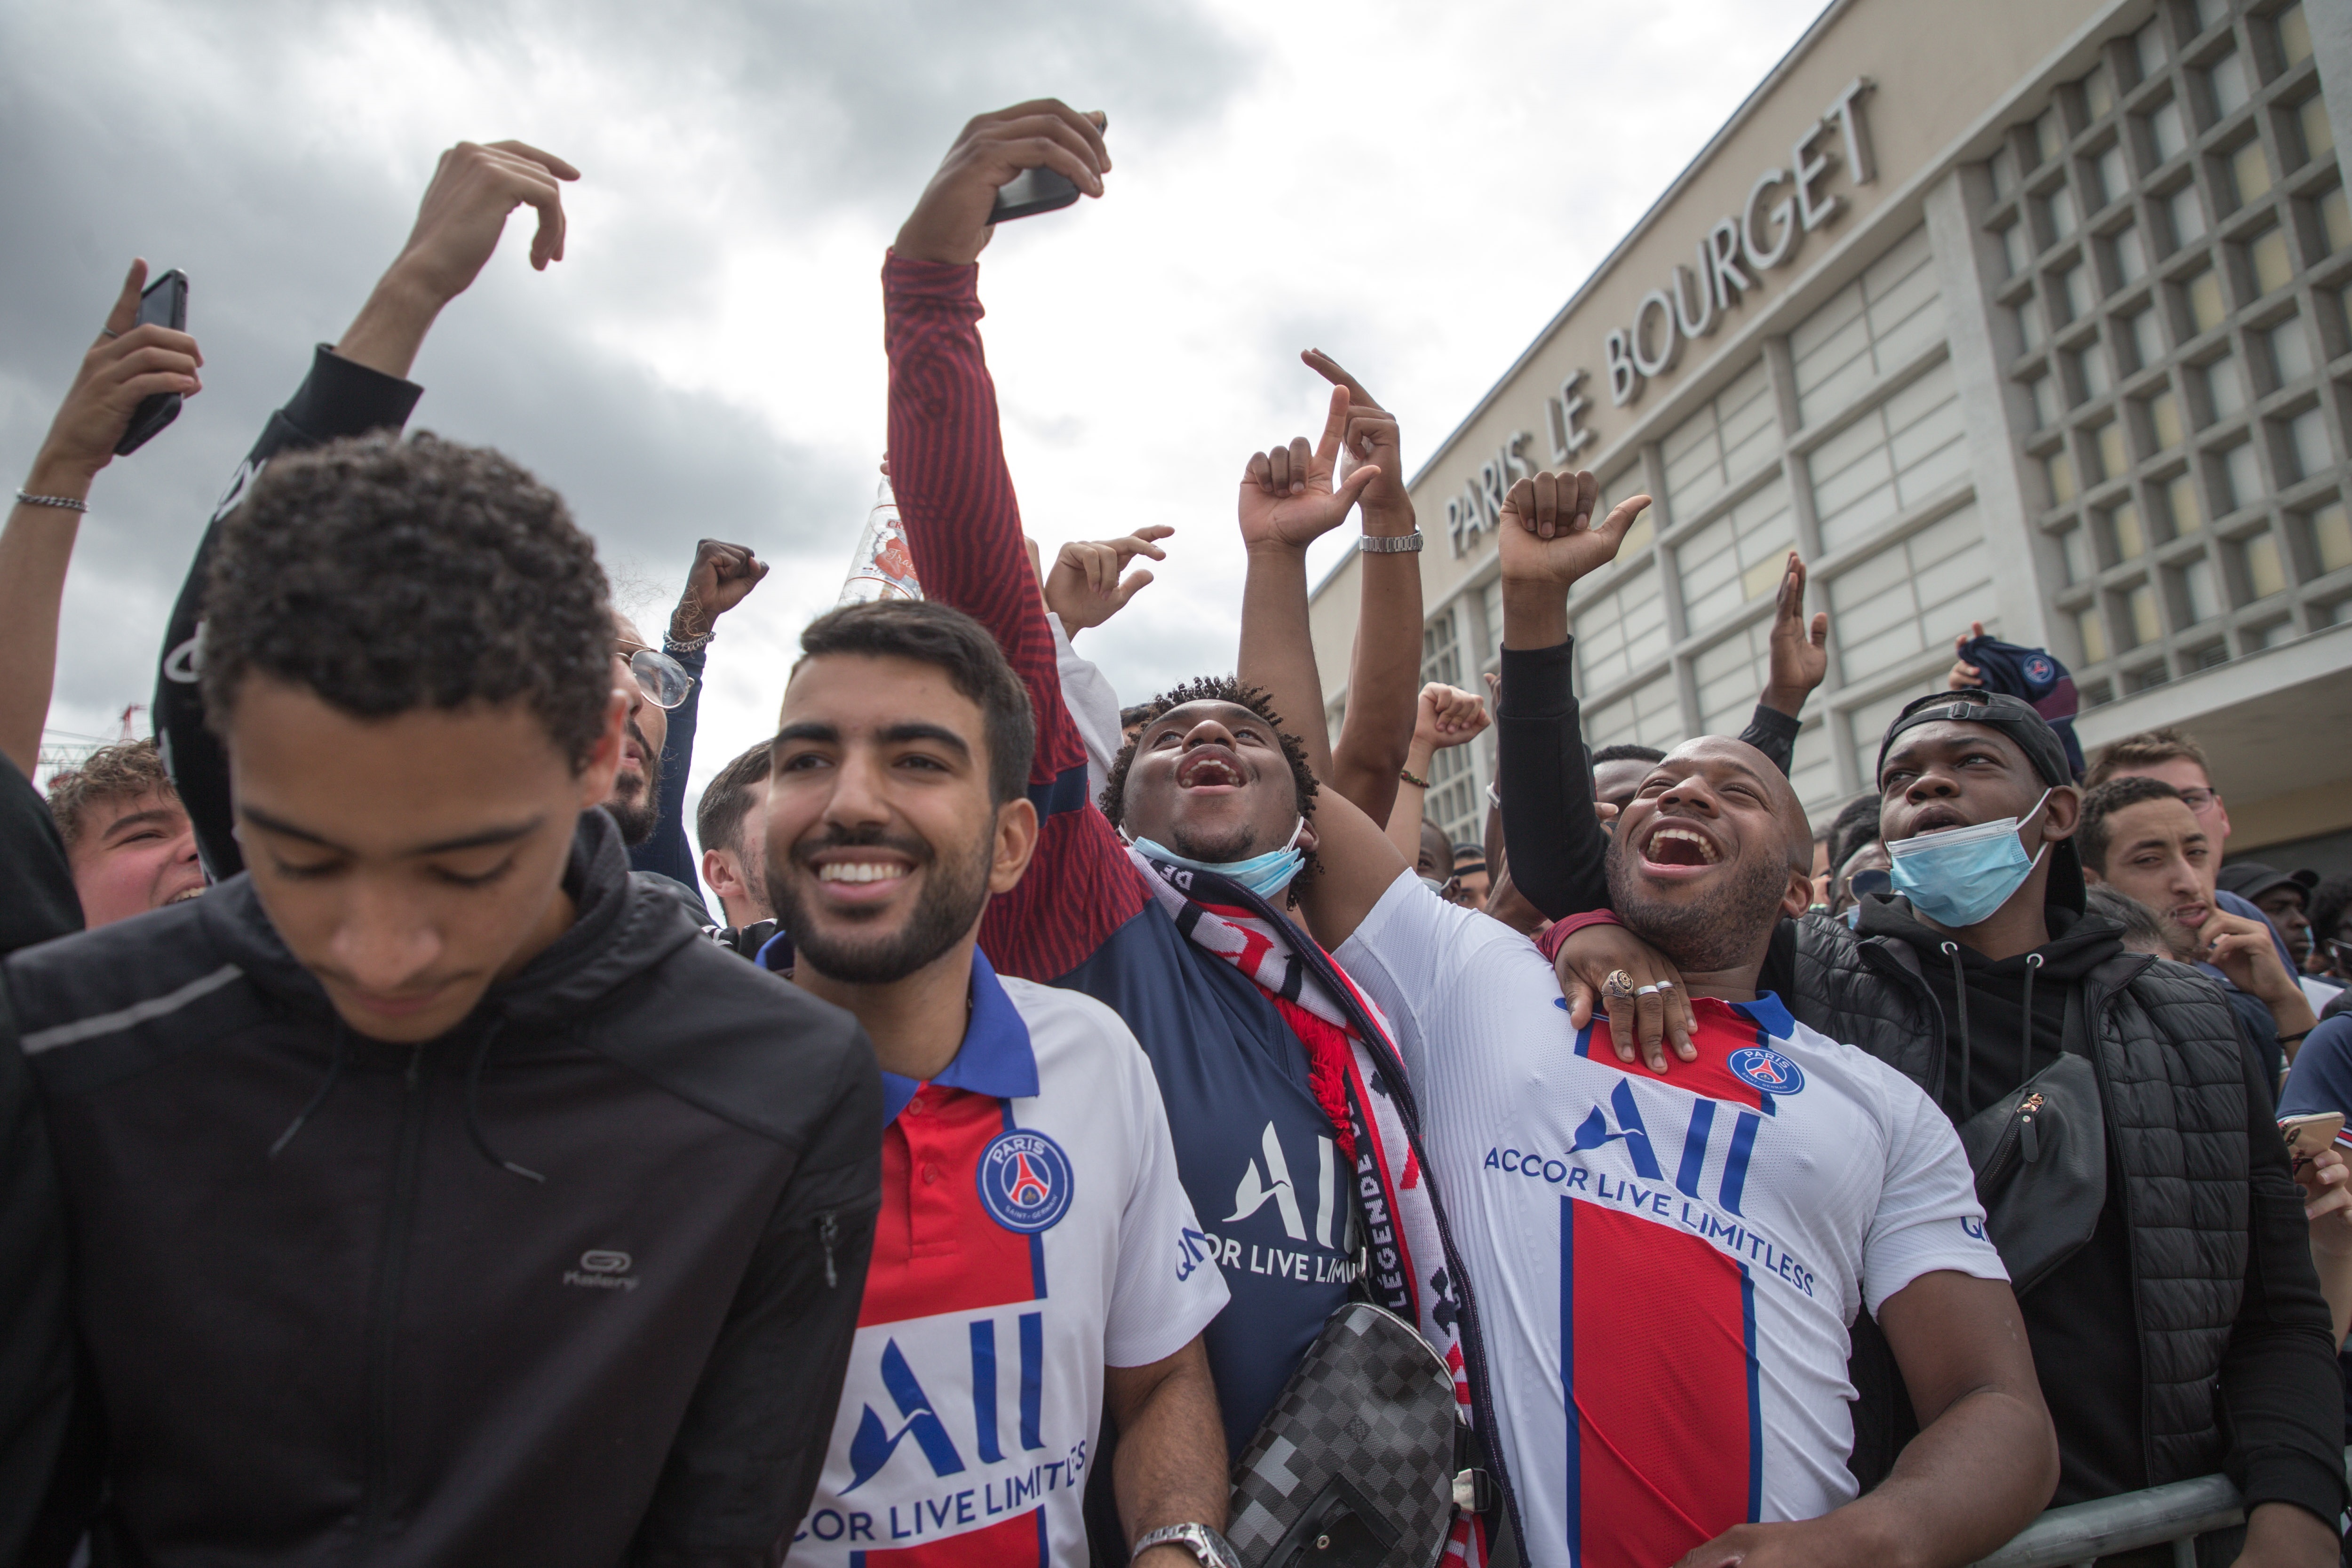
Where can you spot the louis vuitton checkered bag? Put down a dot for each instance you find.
(1353, 1468)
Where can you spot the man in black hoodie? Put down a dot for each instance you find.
(434, 1194)
(1973, 978)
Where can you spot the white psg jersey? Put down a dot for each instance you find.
(1665, 1266)
(1033, 1232)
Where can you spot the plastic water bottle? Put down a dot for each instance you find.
(882, 567)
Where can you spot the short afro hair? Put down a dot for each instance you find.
(125, 772)
(1210, 688)
(2329, 902)
(950, 640)
(388, 576)
(1624, 752)
(2095, 835)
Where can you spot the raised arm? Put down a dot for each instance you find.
(355, 387)
(963, 524)
(1445, 717)
(1385, 667)
(721, 577)
(1799, 659)
(126, 365)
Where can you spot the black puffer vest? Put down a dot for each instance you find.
(2173, 1089)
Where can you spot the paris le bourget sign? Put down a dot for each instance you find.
(1730, 261)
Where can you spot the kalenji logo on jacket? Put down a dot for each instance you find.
(601, 1269)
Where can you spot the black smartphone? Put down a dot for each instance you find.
(165, 304)
(1030, 192)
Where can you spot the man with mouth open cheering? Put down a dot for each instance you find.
(1680, 1258)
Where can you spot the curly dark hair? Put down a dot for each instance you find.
(131, 769)
(1210, 688)
(2328, 901)
(2094, 837)
(388, 576)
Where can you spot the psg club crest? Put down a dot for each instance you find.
(1767, 1069)
(1024, 1182)
(2040, 670)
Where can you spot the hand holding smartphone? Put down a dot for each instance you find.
(1030, 192)
(164, 303)
(2307, 1135)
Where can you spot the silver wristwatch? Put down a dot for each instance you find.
(1390, 544)
(1211, 1548)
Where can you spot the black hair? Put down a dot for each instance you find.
(2327, 904)
(1855, 825)
(1210, 688)
(950, 640)
(387, 575)
(2094, 836)
(1134, 715)
(727, 798)
(1624, 754)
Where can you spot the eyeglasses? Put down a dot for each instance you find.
(662, 679)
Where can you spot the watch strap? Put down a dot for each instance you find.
(1390, 544)
(1207, 1544)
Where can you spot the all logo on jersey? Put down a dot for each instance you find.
(874, 1443)
(1767, 1069)
(1024, 1182)
(1267, 1179)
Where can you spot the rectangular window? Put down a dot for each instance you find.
(2182, 508)
(2049, 134)
(2268, 258)
(2258, 559)
(2241, 476)
(1869, 722)
(2306, 439)
(1872, 324)
(1911, 596)
(2139, 613)
(2225, 79)
(1441, 656)
(2225, 389)
(2250, 173)
(2124, 528)
(2075, 287)
(2058, 215)
(2211, 13)
(2186, 211)
(1493, 603)
(1620, 632)
(2098, 93)
(2044, 389)
(2092, 633)
(2294, 35)
(1649, 715)
(2146, 339)
(2091, 370)
(2073, 548)
(2289, 348)
(2147, 49)
(1893, 457)
(2164, 419)
(2107, 441)
(2199, 592)
(2203, 294)
(2327, 531)
(1721, 444)
(2167, 132)
(2017, 249)
(1740, 556)
(2335, 220)
(2313, 129)
(2114, 174)
(2001, 170)
(2029, 323)
(2058, 470)
(1731, 677)
(2130, 253)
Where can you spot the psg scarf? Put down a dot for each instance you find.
(1358, 1077)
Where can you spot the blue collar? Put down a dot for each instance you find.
(995, 1058)
(1769, 1011)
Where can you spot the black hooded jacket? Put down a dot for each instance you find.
(330, 1315)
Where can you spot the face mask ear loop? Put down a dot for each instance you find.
(1960, 994)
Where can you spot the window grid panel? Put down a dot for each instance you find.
(1621, 632)
(2213, 401)
(1868, 328)
(1739, 557)
(1889, 460)
(1909, 597)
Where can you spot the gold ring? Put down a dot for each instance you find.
(1618, 983)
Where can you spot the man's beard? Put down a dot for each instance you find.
(637, 810)
(955, 893)
(1717, 930)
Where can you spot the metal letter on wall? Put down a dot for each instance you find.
(1782, 213)
(1625, 381)
(1567, 436)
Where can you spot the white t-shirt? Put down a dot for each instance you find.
(1026, 1242)
(1680, 1256)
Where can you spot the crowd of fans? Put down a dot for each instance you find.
(405, 1163)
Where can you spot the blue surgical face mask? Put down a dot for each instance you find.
(1961, 876)
(1266, 875)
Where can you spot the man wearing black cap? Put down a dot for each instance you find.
(2285, 899)
(2187, 1335)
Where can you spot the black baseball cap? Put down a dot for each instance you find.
(2015, 717)
(2249, 880)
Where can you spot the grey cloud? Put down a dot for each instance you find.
(841, 111)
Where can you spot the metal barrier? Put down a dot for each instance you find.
(2174, 1515)
(2084, 1531)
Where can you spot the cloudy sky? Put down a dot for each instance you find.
(1415, 189)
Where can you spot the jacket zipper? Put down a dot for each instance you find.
(2018, 1139)
(383, 1310)
(828, 1231)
